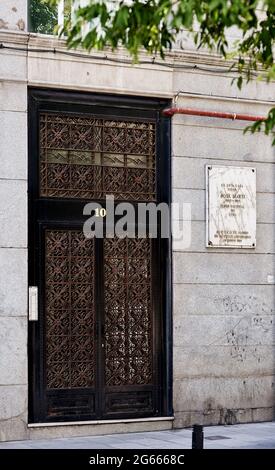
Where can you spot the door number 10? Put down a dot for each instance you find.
(100, 212)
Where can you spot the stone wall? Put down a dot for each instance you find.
(223, 299)
(13, 15)
(13, 244)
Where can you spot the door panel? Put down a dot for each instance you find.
(70, 319)
(128, 318)
(97, 350)
(69, 309)
(128, 312)
(67, 369)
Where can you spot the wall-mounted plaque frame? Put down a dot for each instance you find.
(230, 206)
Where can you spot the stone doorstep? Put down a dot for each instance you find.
(98, 428)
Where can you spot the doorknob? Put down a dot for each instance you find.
(33, 303)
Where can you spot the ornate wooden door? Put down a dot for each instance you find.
(98, 348)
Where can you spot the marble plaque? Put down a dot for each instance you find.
(230, 207)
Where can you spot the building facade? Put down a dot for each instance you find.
(134, 334)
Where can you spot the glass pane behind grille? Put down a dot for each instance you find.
(87, 158)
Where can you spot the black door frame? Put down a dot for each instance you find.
(56, 100)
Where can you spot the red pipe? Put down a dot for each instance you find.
(215, 114)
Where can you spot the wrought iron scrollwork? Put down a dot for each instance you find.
(70, 309)
(128, 311)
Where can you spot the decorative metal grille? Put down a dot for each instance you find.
(87, 158)
(69, 305)
(128, 311)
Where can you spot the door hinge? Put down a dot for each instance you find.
(33, 303)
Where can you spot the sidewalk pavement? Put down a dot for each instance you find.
(240, 436)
